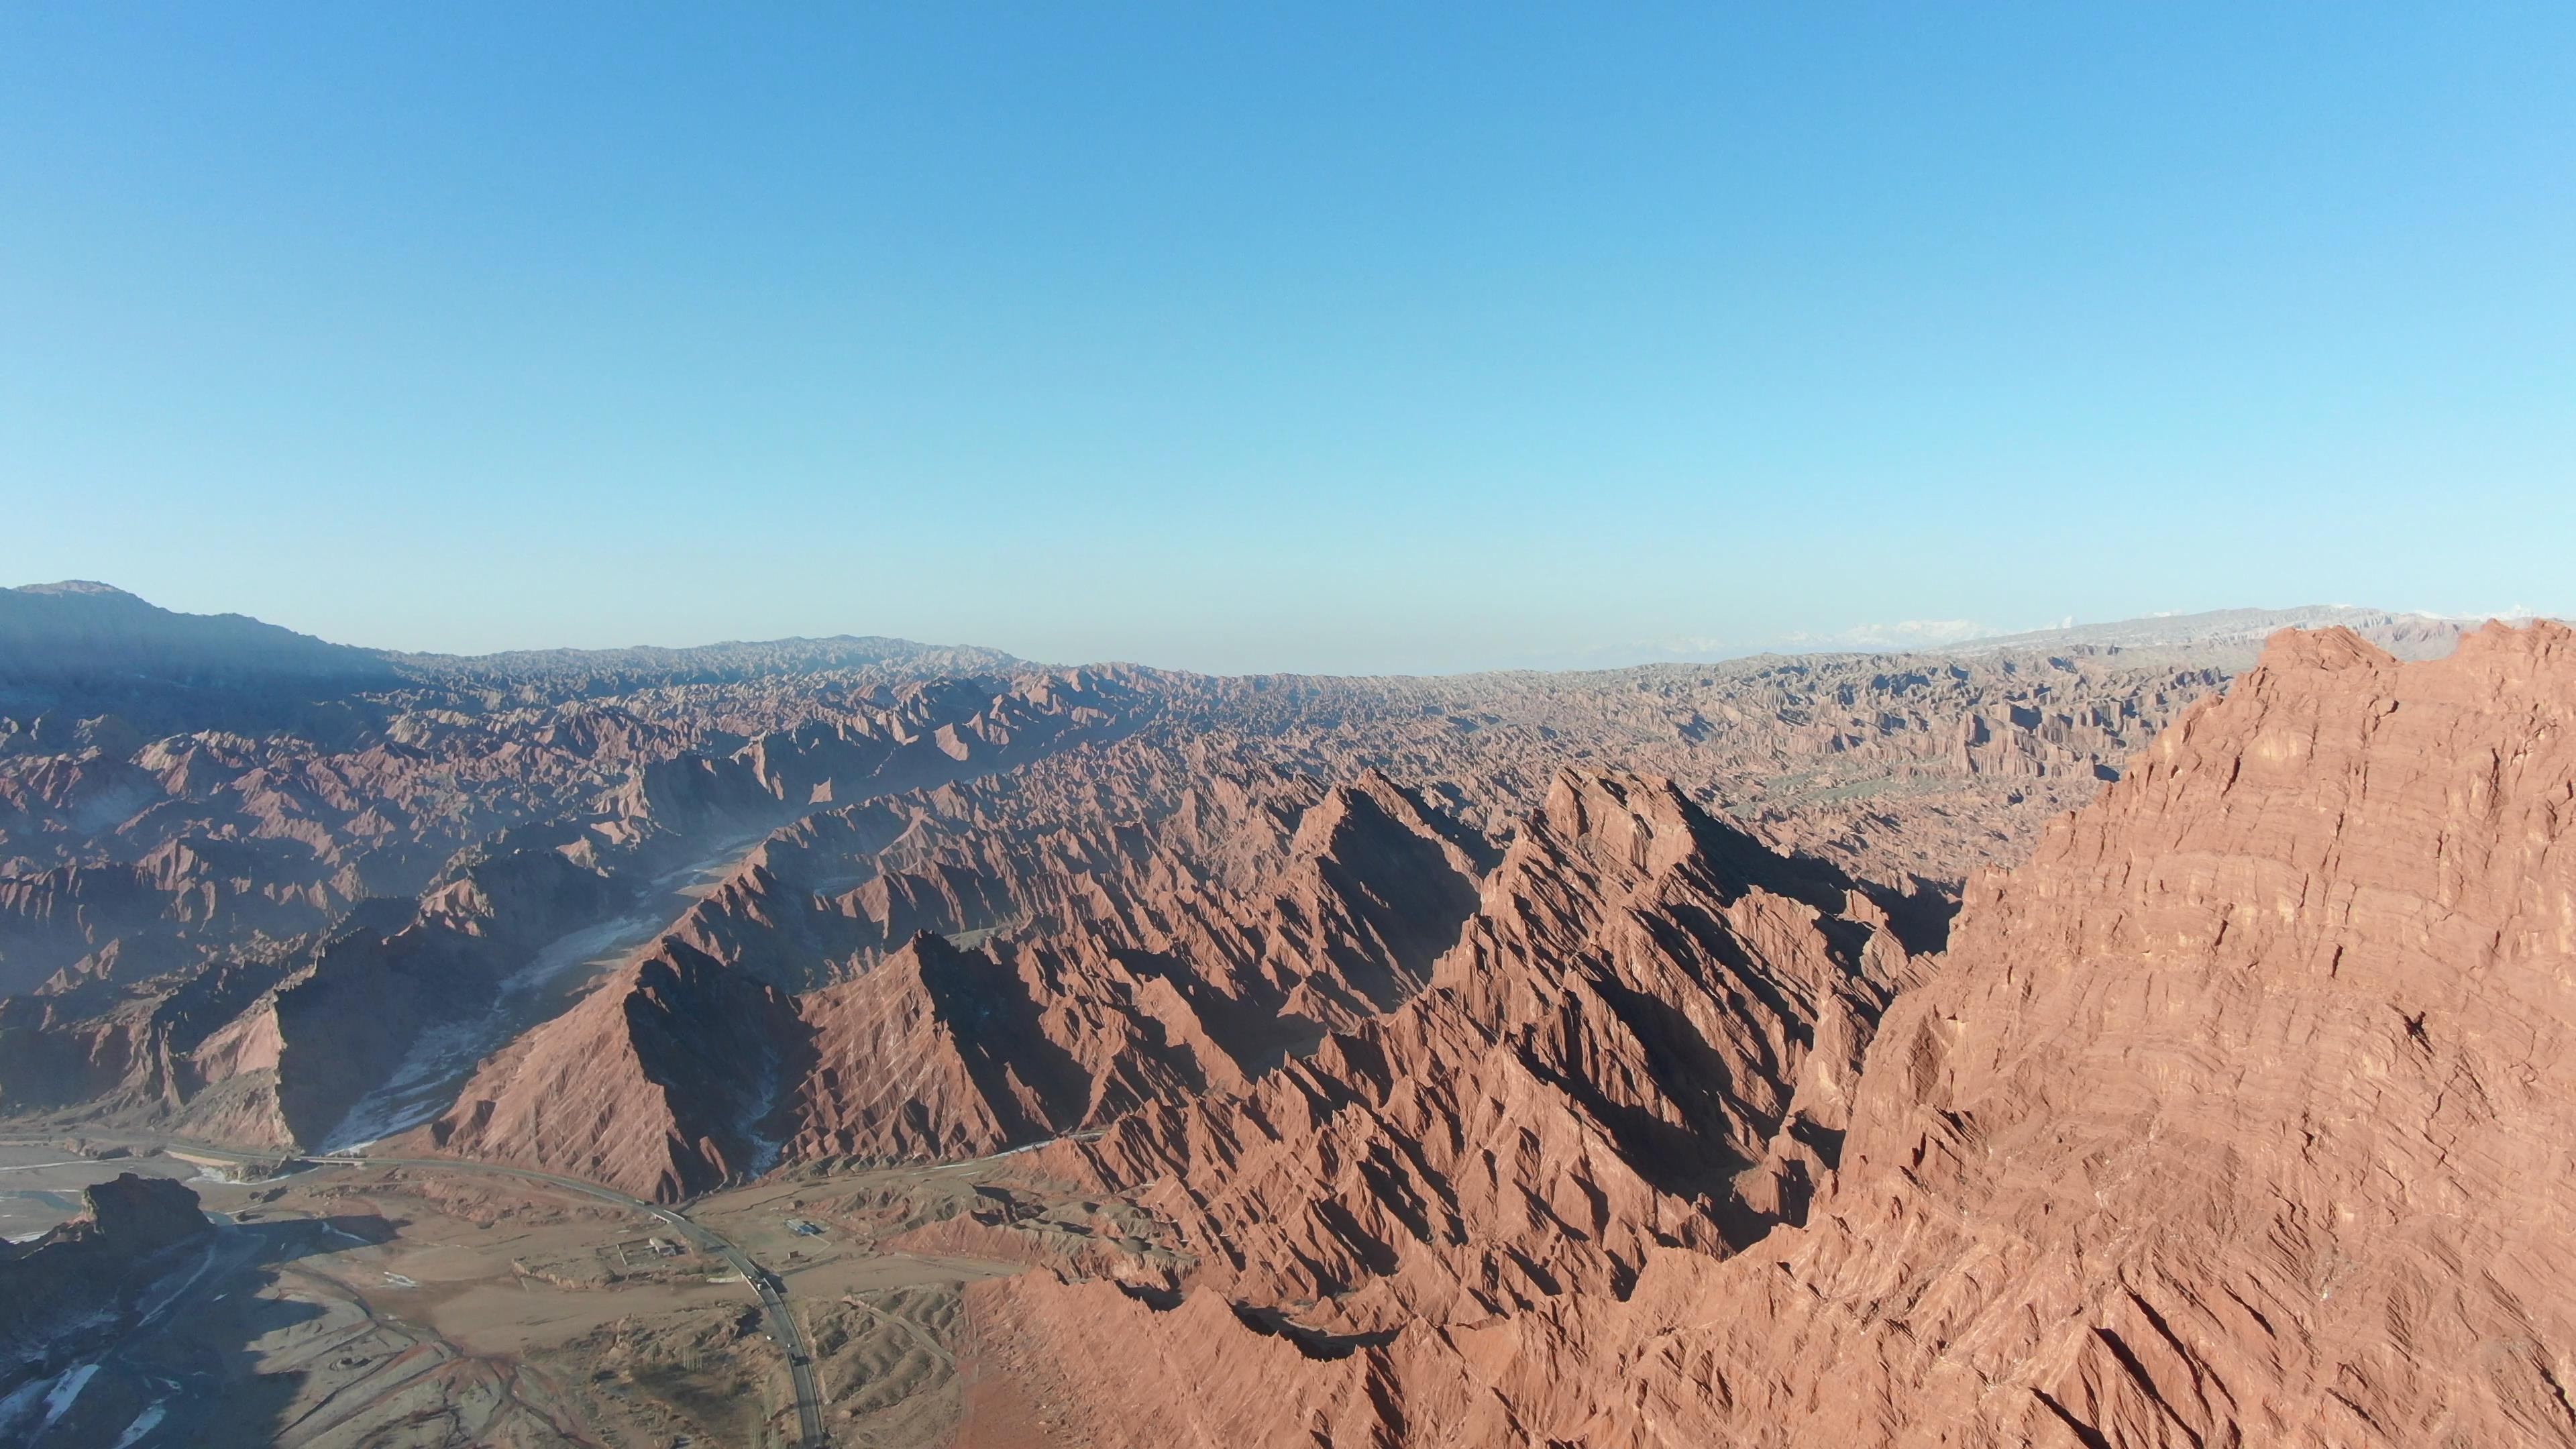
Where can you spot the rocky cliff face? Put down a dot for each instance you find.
(1644, 1039)
(658, 1082)
(2236, 1116)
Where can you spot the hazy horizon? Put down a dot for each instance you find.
(1347, 341)
(1920, 635)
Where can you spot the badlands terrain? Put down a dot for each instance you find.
(2142, 1034)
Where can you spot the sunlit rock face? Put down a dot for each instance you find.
(2237, 1115)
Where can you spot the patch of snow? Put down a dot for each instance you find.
(66, 1390)
(416, 1091)
(144, 1423)
(21, 1401)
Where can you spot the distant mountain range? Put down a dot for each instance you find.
(641, 666)
(80, 634)
(2408, 636)
(82, 648)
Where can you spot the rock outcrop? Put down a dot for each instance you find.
(2238, 1115)
(64, 1293)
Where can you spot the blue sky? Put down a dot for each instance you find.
(1362, 338)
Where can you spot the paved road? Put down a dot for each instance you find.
(783, 1327)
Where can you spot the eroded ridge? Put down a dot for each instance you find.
(2235, 1116)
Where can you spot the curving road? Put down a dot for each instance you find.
(772, 1292)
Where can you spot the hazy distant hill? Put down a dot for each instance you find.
(78, 649)
(2408, 636)
(80, 633)
(644, 666)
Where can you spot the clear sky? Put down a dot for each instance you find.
(1236, 337)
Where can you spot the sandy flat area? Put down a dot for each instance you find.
(338, 1304)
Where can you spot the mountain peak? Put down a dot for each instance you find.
(76, 586)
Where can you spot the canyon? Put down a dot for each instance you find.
(2142, 1034)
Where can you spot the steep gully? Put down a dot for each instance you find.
(786, 781)
(426, 1081)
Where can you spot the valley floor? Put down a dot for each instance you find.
(361, 1305)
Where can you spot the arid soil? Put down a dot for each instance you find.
(340, 1306)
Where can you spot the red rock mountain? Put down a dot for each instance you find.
(2239, 1115)
(228, 895)
(1634, 1044)
(1166, 955)
(313, 928)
